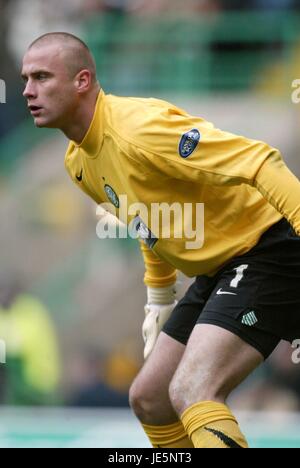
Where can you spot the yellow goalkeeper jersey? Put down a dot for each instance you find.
(150, 152)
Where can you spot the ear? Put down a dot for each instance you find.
(83, 81)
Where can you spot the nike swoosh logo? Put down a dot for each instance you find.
(79, 178)
(220, 292)
(230, 443)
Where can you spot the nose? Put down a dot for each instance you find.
(29, 91)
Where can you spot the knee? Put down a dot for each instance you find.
(150, 402)
(137, 399)
(141, 401)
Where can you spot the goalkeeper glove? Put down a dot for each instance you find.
(159, 307)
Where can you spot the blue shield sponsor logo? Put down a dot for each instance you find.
(144, 233)
(189, 143)
(112, 196)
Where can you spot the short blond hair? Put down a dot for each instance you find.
(78, 54)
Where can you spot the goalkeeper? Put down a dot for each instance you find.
(246, 295)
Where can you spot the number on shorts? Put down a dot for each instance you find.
(239, 275)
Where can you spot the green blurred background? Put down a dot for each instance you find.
(73, 329)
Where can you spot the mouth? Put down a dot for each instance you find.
(34, 110)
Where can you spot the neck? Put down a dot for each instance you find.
(82, 118)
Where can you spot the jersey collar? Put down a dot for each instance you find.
(93, 140)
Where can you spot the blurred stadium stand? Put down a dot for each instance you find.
(234, 68)
(205, 53)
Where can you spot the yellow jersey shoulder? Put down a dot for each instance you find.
(138, 120)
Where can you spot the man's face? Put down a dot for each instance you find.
(49, 89)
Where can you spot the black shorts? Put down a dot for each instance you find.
(255, 296)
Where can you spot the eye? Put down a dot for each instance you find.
(41, 76)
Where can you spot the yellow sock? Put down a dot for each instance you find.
(171, 436)
(212, 425)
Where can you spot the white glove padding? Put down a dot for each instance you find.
(156, 317)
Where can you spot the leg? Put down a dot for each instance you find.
(149, 396)
(214, 363)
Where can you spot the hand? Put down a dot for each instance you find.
(156, 316)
